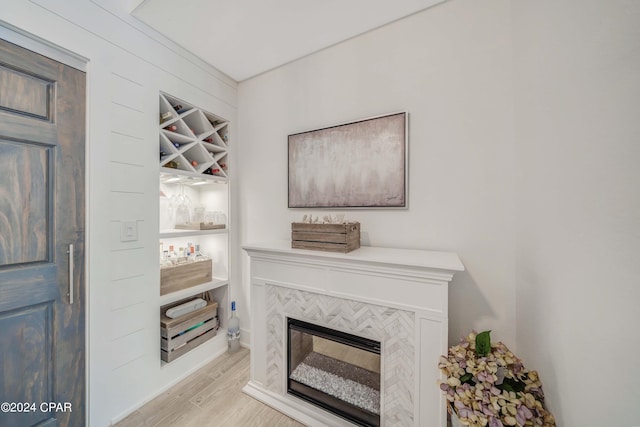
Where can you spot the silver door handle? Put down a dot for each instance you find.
(70, 252)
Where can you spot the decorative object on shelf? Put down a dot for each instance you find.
(332, 237)
(185, 308)
(185, 254)
(177, 213)
(197, 255)
(182, 215)
(360, 164)
(180, 207)
(185, 275)
(198, 214)
(186, 332)
(326, 219)
(167, 214)
(210, 221)
(200, 226)
(215, 217)
(192, 140)
(487, 385)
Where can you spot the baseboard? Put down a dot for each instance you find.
(245, 338)
(301, 411)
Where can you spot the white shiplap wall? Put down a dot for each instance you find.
(126, 70)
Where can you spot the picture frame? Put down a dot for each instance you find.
(360, 164)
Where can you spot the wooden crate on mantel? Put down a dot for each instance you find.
(184, 276)
(326, 237)
(184, 333)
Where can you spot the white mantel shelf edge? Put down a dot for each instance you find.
(417, 258)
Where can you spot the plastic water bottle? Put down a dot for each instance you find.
(233, 330)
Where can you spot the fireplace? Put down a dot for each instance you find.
(396, 297)
(334, 370)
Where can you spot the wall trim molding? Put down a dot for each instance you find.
(41, 46)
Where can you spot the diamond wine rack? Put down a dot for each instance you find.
(192, 141)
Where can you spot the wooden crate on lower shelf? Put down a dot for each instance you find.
(326, 237)
(183, 276)
(184, 333)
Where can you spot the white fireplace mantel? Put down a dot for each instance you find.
(396, 296)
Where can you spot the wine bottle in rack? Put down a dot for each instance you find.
(211, 171)
(171, 128)
(165, 116)
(172, 164)
(208, 139)
(177, 108)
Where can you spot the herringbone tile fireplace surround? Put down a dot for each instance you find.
(397, 297)
(395, 328)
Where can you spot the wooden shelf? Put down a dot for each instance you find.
(193, 290)
(168, 234)
(177, 176)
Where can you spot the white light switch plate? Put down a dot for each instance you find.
(128, 231)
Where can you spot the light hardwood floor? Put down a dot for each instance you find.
(211, 397)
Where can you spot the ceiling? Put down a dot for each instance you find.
(243, 38)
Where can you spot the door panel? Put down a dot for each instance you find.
(29, 329)
(42, 338)
(39, 281)
(24, 203)
(35, 92)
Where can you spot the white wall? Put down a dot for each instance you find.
(524, 149)
(577, 85)
(126, 71)
(450, 68)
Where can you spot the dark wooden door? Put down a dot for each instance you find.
(42, 197)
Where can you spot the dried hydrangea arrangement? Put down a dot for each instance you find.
(487, 385)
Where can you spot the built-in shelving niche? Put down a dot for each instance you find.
(194, 163)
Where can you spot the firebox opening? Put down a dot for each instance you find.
(337, 371)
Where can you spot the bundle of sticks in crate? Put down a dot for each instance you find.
(332, 234)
